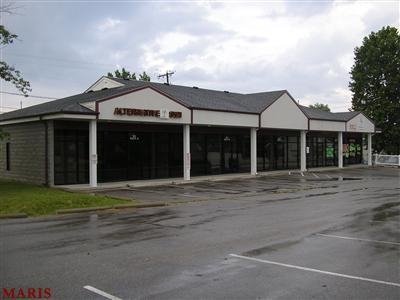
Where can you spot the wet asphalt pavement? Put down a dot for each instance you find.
(330, 235)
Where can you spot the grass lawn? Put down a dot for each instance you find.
(36, 200)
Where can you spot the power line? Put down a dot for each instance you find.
(58, 59)
(66, 65)
(10, 107)
(31, 96)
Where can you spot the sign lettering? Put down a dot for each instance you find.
(122, 111)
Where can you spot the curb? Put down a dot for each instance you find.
(14, 216)
(120, 206)
(145, 205)
(79, 210)
(89, 209)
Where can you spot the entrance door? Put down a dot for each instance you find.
(264, 153)
(352, 149)
(229, 159)
(280, 153)
(214, 154)
(139, 155)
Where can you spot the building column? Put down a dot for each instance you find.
(253, 151)
(186, 152)
(369, 149)
(93, 153)
(303, 152)
(340, 150)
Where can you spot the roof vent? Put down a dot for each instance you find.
(166, 83)
(103, 89)
(91, 91)
(196, 87)
(226, 92)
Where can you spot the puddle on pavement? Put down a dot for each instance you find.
(279, 199)
(384, 215)
(386, 211)
(270, 248)
(334, 179)
(320, 194)
(386, 206)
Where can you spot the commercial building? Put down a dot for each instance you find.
(120, 130)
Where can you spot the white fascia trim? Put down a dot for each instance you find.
(22, 120)
(68, 116)
(352, 131)
(224, 118)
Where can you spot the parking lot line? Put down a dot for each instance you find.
(315, 270)
(100, 292)
(357, 239)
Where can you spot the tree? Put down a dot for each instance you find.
(144, 77)
(320, 106)
(375, 84)
(124, 74)
(7, 72)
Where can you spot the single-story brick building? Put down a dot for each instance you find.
(120, 130)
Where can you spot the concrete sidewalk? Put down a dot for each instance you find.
(178, 181)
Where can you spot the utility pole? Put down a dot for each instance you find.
(167, 74)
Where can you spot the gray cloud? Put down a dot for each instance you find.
(65, 47)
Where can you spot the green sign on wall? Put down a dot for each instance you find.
(329, 152)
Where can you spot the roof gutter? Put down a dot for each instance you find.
(49, 116)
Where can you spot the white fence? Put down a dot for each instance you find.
(389, 160)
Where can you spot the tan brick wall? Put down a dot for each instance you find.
(27, 153)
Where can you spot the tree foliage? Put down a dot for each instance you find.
(320, 106)
(7, 72)
(375, 83)
(124, 74)
(144, 77)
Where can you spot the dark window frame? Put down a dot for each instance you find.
(8, 158)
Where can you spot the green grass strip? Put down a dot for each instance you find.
(37, 200)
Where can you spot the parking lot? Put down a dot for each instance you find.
(325, 235)
(291, 182)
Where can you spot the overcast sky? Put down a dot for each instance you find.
(305, 47)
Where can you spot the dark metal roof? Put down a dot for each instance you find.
(187, 96)
(317, 114)
(191, 97)
(211, 99)
(65, 105)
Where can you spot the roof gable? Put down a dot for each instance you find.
(144, 104)
(103, 83)
(360, 123)
(294, 118)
